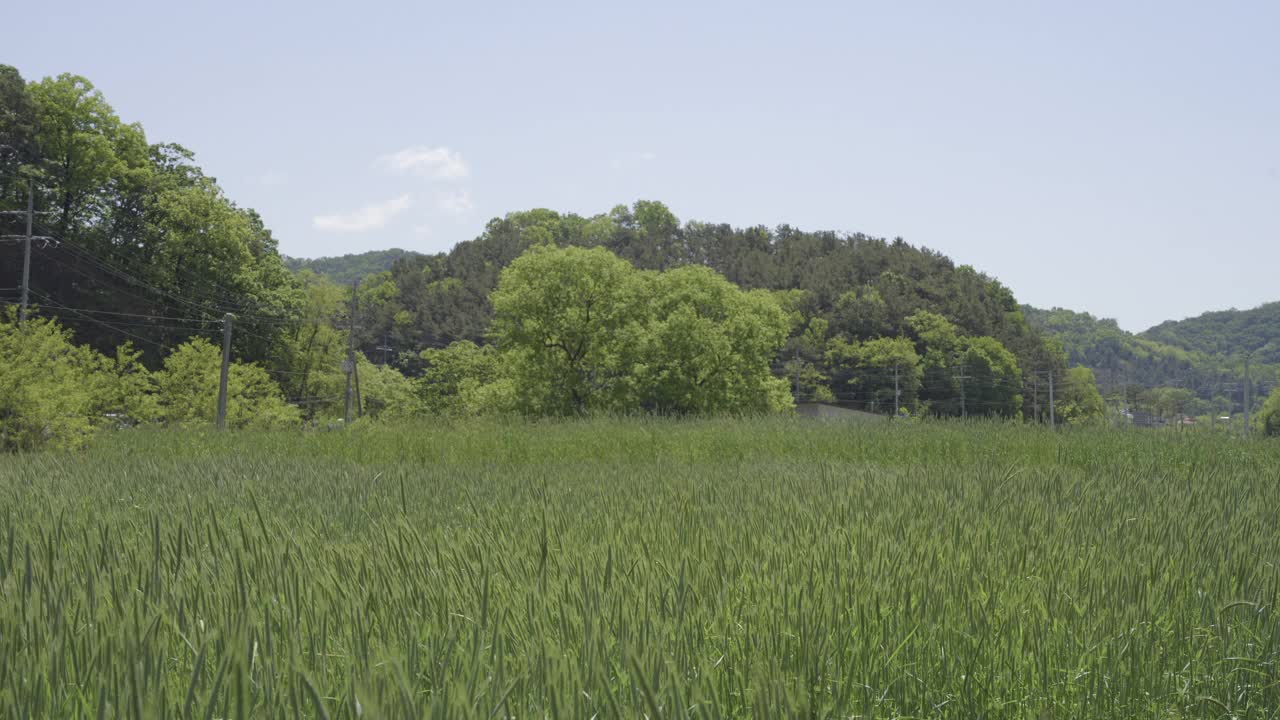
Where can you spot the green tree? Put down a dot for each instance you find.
(464, 379)
(582, 330)
(1267, 419)
(54, 393)
(994, 381)
(879, 370)
(560, 318)
(705, 346)
(187, 389)
(1078, 401)
(385, 392)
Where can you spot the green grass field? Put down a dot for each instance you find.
(715, 568)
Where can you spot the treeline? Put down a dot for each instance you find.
(141, 247)
(347, 269)
(1194, 367)
(847, 287)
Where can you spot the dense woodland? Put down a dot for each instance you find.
(1200, 360)
(347, 269)
(139, 248)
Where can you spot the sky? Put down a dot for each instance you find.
(1119, 158)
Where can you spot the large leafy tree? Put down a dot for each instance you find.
(581, 330)
(703, 345)
(877, 372)
(150, 249)
(562, 319)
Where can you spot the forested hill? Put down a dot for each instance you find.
(861, 286)
(1226, 333)
(1204, 355)
(349, 268)
(144, 248)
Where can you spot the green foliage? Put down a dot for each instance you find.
(385, 392)
(350, 268)
(1168, 403)
(142, 230)
(187, 390)
(581, 330)
(1204, 355)
(1226, 333)
(704, 346)
(1077, 400)
(46, 393)
(1268, 419)
(54, 393)
(464, 379)
(562, 320)
(878, 371)
(760, 567)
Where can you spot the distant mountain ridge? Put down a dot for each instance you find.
(1226, 333)
(1204, 354)
(349, 268)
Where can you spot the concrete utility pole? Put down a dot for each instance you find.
(385, 348)
(796, 388)
(26, 252)
(1035, 397)
(897, 394)
(1246, 394)
(1052, 419)
(964, 413)
(351, 349)
(226, 369)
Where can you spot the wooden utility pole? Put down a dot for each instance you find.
(226, 369)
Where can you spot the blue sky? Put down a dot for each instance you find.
(1117, 157)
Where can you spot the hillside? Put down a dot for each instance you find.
(863, 286)
(1226, 333)
(349, 268)
(1173, 354)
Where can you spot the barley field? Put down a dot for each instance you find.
(632, 568)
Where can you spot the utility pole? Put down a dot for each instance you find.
(1035, 396)
(351, 348)
(897, 394)
(962, 377)
(26, 252)
(796, 390)
(385, 348)
(226, 368)
(1246, 395)
(1052, 419)
(25, 239)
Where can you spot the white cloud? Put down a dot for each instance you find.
(457, 202)
(437, 163)
(423, 230)
(369, 217)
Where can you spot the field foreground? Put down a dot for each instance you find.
(714, 568)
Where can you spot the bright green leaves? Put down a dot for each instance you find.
(187, 388)
(54, 393)
(582, 330)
